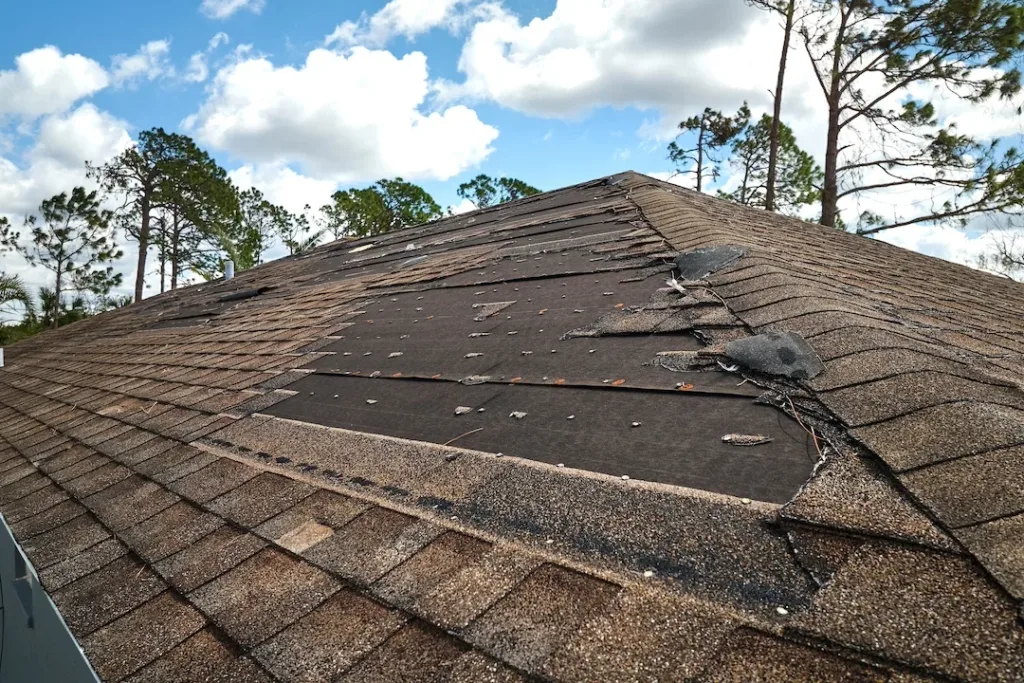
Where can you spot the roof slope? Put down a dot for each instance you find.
(292, 475)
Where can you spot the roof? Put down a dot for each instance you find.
(490, 448)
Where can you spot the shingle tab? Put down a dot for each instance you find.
(539, 615)
(330, 639)
(262, 595)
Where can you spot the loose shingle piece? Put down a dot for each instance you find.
(617, 432)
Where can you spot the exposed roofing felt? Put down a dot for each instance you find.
(295, 475)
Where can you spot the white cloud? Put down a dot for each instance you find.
(222, 9)
(464, 206)
(343, 117)
(197, 71)
(44, 81)
(149, 63)
(85, 134)
(219, 38)
(56, 163)
(198, 64)
(670, 177)
(672, 56)
(408, 18)
(283, 186)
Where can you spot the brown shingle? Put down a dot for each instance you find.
(213, 480)
(972, 489)
(260, 498)
(644, 635)
(104, 595)
(65, 541)
(330, 639)
(129, 501)
(432, 565)
(999, 546)
(203, 657)
(751, 657)
(539, 615)
(136, 639)
(263, 595)
(922, 608)
(47, 519)
(416, 654)
(208, 557)
(372, 544)
(80, 564)
(170, 531)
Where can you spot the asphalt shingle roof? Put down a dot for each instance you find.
(292, 475)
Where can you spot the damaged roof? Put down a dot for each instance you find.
(621, 431)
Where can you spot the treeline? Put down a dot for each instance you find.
(172, 198)
(872, 60)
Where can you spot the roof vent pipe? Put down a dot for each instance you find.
(229, 270)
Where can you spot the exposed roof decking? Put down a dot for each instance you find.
(142, 418)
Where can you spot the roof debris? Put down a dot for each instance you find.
(746, 439)
(462, 410)
(776, 353)
(473, 355)
(699, 263)
(517, 414)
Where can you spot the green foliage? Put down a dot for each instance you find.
(970, 48)
(256, 224)
(714, 132)
(485, 191)
(168, 172)
(799, 178)
(384, 206)
(294, 229)
(13, 291)
(70, 238)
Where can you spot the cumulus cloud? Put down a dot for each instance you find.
(219, 38)
(45, 81)
(343, 117)
(284, 186)
(149, 63)
(56, 163)
(222, 9)
(464, 206)
(672, 56)
(197, 70)
(408, 18)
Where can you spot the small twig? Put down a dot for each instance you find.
(472, 431)
(800, 422)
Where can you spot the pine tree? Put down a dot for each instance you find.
(71, 239)
(714, 132)
(485, 191)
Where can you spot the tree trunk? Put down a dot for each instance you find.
(163, 252)
(700, 154)
(830, 188)
(140, 275)
(175, 238)
(55, 313)
(773, 139)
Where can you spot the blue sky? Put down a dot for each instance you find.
(573, 149)
(300, 97)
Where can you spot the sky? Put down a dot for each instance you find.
(302, 97)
